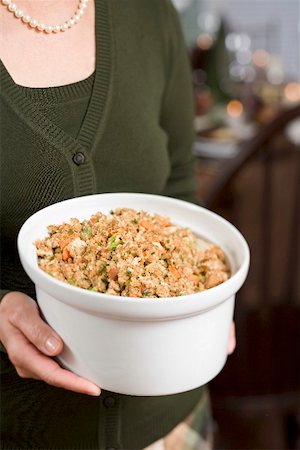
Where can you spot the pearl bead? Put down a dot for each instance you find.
(33, 23)
(26, 19)
(12, 7)
(18, 13)
(41, 26)
(71, 22)
(49, 29)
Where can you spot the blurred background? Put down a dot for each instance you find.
(245, 61)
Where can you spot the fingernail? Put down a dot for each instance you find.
(52, 344)
(95, 391)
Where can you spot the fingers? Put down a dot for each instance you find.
(46, 369)
(29, 342)
(25, 317)
(232, 340)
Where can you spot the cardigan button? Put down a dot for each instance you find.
(78, 158)
(109, 401)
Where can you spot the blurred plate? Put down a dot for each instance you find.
(216, 143)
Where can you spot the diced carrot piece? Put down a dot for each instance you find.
(65, 242)
(66, 254)
(113, 272)
(175, 272)
(147, 225)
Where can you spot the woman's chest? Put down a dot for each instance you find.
(39, 168)
(38, 59)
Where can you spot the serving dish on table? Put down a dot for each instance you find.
(139, 346)
(218, 142)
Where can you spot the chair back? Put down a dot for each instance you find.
(259, 192)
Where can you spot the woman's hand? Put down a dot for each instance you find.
(30, 344)
(232, 340)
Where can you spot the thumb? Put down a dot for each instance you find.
(53, 344)
(232, 340)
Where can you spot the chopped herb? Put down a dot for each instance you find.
(86, 233)
(146, 292)
(111, 211)
(71, 281)
(102, 268)
(127, 282)
(134, 221)
(112, 239)
(93, 288)
(129, 272)
(113, 242)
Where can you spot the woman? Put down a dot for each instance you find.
(97, 103)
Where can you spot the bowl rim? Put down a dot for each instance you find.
(93, 300)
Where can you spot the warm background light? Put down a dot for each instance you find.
(235, 108)
(292, 92)
(260, 58)
(204, 41)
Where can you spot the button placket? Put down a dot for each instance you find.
(109, 401)
(79, 158)
(112, 421)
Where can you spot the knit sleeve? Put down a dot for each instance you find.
(177, 114)
(2, 293)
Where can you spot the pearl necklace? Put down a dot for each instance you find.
(39, 26)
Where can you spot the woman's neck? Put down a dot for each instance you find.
(36, 59)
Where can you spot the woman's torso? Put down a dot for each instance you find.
(114, 140)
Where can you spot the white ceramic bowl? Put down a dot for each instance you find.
(139, 346)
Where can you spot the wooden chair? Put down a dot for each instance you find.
(256, 398)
